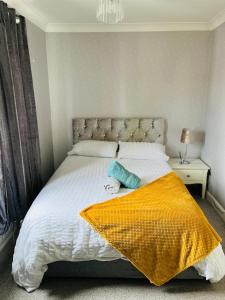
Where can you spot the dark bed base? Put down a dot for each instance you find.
(107, 269)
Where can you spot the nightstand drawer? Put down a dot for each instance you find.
(190, 175)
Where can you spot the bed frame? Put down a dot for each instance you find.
(111, 129)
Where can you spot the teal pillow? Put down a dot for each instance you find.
(128, 179)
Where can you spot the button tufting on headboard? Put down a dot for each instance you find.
(110, 129)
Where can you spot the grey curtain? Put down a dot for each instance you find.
(20, 179)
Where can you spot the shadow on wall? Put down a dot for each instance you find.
(198, 137)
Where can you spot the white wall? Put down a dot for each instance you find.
(156, 74)
(38, 56)
(214, 148)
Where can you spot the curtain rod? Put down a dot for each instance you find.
(17, 19)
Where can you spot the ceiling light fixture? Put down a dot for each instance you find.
(110, 11)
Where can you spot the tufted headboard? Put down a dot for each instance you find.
(110, 129)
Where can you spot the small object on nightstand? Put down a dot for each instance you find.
(185, 139)
(194, 173)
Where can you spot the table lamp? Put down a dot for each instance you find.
(185, 139)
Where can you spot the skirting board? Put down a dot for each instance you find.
(216, 205)
(6, 248)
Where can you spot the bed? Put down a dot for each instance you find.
(55, 240)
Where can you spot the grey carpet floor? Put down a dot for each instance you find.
(122, 289)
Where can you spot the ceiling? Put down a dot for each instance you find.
(140, 15)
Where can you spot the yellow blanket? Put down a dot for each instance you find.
(159, 228)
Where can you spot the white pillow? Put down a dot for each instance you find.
(141, 150)
(95, 148)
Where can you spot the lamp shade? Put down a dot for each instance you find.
(185, 136)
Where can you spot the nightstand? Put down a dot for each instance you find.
(195, 172)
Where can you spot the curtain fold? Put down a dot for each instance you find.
(20, 179)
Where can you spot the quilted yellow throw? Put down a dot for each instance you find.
(159, 228)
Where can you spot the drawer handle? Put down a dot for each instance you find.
(188, 176)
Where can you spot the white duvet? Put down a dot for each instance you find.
(54, 231)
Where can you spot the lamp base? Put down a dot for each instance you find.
(184, 162)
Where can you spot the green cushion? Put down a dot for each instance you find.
(128, 179)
